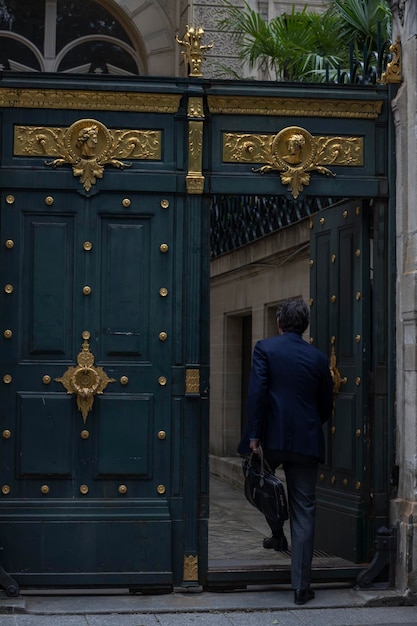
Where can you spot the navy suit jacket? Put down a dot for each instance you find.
(290, 396)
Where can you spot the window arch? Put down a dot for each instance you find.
(82, 36)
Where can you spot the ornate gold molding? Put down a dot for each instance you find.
(293, 152)
(88, 146)
(85, 380)
(393, 73)
(302, 107)
(89, 100)
(195, 178)
(190, 568)
(192, 380)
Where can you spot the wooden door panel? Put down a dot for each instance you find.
(45, 431)
(47, 286)
(124, 446)
(125, 287)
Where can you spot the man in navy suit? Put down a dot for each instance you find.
(290, 396)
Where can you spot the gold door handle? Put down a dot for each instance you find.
(338, 379)
(85, 380)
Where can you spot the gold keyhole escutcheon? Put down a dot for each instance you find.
(84, 489)
(87, 245)
(164, 204)
(7, 379)
(5, 489)
(163, 292)
(10, 199)
(8, 288)
(161, 489)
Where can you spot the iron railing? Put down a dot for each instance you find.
(239, 220)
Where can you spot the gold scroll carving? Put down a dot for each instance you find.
(393, 73)
(300, 107)
(88, 146)
(293, 152)
(89, 100)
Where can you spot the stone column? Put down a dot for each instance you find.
(404, 506)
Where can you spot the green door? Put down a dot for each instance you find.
(87, 322)
(340, 326)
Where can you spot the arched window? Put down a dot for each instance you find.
(77, 36)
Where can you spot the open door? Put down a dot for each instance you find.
(340, 326)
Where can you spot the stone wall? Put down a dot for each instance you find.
(248, 282)
(404, 506)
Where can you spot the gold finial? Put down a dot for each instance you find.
(393, 72)
(194, 50)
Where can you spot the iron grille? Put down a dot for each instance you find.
(238, 220)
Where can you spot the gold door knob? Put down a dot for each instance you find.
(162, 434)
(86, 290)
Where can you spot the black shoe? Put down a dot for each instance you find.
(280, 544)
(301, 596)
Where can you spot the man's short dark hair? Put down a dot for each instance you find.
(293, 316)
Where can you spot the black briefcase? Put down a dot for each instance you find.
(263, 489)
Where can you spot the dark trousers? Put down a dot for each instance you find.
(301, 475)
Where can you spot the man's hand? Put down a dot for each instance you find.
(254, 445)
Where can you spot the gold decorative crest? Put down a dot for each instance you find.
(293, 152)
(88, 146)
(85, 380)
